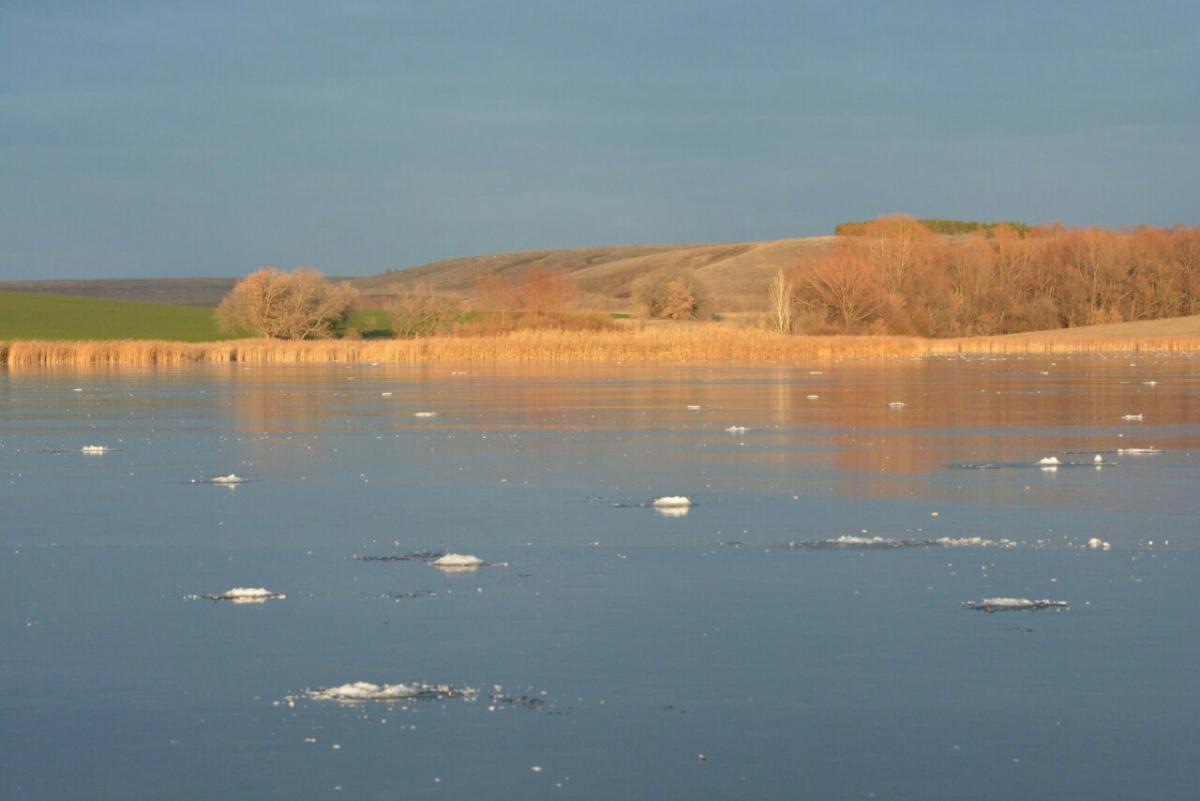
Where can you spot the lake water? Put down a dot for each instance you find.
(641, 655)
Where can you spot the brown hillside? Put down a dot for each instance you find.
(737, 274)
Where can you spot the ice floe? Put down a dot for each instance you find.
(361, 691)
(241, 595)
(1132, 418)
(736, 430)
(693, 407)
(854, 542)
(1049, 460)
(1138, 451)
(458, 560)
(897, 405)
(425, 414)
(1097, 544)
(94, 450)
(232, 478)
(1013, 604)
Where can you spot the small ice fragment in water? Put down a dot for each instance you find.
(425, 414)
(458, 562)
(1097, 544)
(232, 478)
(77, 389)
(693, 408)
(1138, 451)
(1150, 383)
(1049, 460)
(385, 394)
(94, 450)
(1132, 418)
(812, 397)
(672, 501)
(1097, 459)
(1012, 604)
(242, 595)
(737, 430)
(360, 691)
(897, 405)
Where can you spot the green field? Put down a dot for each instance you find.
(28, 315)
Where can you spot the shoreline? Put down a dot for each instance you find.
(657, 345)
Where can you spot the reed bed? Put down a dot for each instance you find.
(659, 344)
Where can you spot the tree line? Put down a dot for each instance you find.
(894, 275)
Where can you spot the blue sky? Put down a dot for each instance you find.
(176, 139)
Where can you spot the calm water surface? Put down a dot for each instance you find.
(648, 640)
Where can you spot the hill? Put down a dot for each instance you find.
(737, 274)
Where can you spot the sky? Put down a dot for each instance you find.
(209, 139)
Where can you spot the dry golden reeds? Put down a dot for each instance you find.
(698, 342)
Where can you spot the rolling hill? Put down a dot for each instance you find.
(737, 274)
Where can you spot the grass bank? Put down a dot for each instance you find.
(652, 344)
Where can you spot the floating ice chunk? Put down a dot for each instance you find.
(812, 397)
(1012, 604)
(974, 542)
(672, 501)
(361, 691)
(1150, 383)
(693, 408)
(94, 450)
(1097, 544)
(737, 430)
(1097, 459)
(425, 414)
(1049, 460)
(458, 563)
(1132, 418)
(232, 478)
(242, 595)
(77, 389)
(897, 405)
(385, 394)
(1138, 451)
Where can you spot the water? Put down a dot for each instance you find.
(646, 640)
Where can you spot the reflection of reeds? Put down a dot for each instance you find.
(657, 344)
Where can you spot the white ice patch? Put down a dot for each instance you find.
(693, 408)
(242, 595)
(425, 414)
(232, 478)
(1012, 604)
(1049, 460)
(1132, 418)
(1138, 451)
(974, 542)
(672, 501)
(458, 563)
(361, 691)
(812, 397)
(94, 450)
(1097, 544)
(736, 430)
(897, 405)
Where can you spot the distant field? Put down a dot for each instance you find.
(180, 291)
(28, 315)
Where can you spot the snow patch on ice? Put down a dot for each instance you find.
(1012, 604)
(94, 450)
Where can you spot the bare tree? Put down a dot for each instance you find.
(672, 296)
(845, 284)
(782, 299)
(417, 310)
(297, 305)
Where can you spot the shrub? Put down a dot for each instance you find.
(672, 296)
(279, 305)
